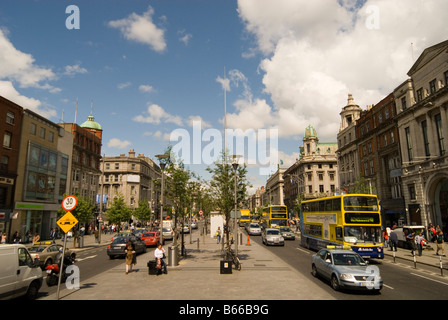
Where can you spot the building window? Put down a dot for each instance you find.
(387, 113)
(425, 138)
(33, 128)
(117, 165)
(432, 86)
(7, 139)
(10, 117)
(42, 133)
(409, 143)
(412, 195)
(403, 103)
(419, 94)
(51, 136)
(4, 163)
(438, 120)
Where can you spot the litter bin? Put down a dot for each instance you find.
(152, 267)
(173, 256)
(226, 267)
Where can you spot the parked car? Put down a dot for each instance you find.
(186, 228)
(151, 238)
(400, 232)
(19, 274)
(125, 233)
(46, 252)
(254, 229)
(194, 225)
(272, 236)
(168, 233)
(346, 269)
(287, 233)
(117, 247)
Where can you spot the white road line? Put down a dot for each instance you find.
(303, 250)
(441, 282)
(385, 285)
(89, 257)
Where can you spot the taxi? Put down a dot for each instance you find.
(345, 269)
(46, 252)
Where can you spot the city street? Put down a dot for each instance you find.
(287, 269)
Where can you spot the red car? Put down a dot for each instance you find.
(151, 238)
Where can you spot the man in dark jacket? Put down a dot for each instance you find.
(393, 240)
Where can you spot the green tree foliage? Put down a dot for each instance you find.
(118, 212)
(222, 186)
(143, 212)
(84, 211)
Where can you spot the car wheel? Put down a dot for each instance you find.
(314, 270)
(335, 283)
(32, 291)
(47, 263)
(111, 257)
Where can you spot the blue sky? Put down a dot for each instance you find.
(151, 67)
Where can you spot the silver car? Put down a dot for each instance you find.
(346, 269)
(272, 236)
(287, 233)
(254, 229)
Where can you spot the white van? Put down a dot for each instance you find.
(19, 274)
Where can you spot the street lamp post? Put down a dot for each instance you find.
(162, 159)
(235, 168)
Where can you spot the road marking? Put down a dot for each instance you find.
(89, 257)
(303, 250)
(441, 282)
(385, 285)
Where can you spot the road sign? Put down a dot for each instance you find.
(201, 212)
(69, 203)
(67, 222)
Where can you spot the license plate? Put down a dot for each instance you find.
(367, 284)
(48, 271)
(118, 248)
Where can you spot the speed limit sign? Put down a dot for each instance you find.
(69, 203)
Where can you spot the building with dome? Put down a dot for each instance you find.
(315, 172)
(87, 142)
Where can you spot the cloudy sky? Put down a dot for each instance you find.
(151, 68)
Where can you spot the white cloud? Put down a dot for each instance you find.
(123, 85)
(141, 29)
(119, 144)
(20, 67)
(316, 52)
(184, 37)
(146, 88)
(8, 91)
(74, 69)
(156, 114)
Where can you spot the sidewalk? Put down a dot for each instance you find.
(198, 277)
(428, 257)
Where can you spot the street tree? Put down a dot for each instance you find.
(118, 212)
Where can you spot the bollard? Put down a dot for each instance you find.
(394, 253)
(198, 243)
(415, 261)
(441, 266)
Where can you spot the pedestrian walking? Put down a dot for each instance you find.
(218, 235)
(410, 239)
(440, 243)
(159, 254)
(419, 242)
(393, 240)
(130, 256)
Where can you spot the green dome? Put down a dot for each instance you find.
(310, 132)
(91, 124)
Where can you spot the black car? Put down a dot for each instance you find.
(117, 247)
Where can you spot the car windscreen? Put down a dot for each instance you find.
(254, 225)
(149, 234)
(348, 259)
(36, 249)
(121, 240)
(273, 232)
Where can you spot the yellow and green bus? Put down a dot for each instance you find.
(345, 220)
(245, 217)
(274, 216)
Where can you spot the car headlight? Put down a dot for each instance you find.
(346, 276)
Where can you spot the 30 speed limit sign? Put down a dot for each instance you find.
(69, 203)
